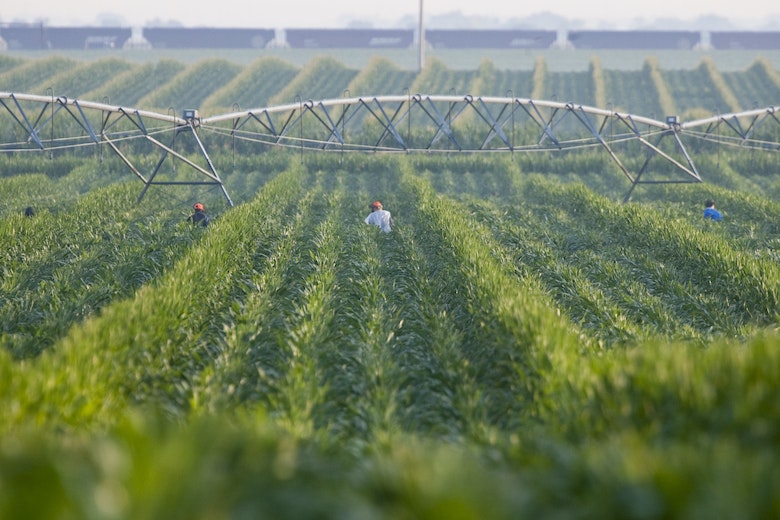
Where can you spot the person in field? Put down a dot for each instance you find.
(710, 213)
(380, 217)
(199, 218)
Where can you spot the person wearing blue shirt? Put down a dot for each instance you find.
(710, 212)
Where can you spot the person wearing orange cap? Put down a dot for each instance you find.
(199, 218)
(380, 217)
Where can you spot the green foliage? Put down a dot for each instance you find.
(666, 100)
(520, 345)
(698, 90)
(215, 85)
(539, 79)
(29, 75)
(577, 87)
(63, 266)
(381, 77)
(127, 88)
(728, 97)
(190, 87)
(8, 62)
(324, 77)
(81, 79)
(627, 91)
(599, 86)
(436, 77)
(252, 87)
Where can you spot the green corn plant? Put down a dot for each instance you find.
(192, 85)
(252, 87)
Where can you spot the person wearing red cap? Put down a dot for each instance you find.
(380, 217)
(199, 218)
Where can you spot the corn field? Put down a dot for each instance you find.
(216, 85)
(520, 345)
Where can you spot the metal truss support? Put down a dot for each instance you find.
(86, 123)
(168, 150)
(407, 123)
(653, 150)
(741, 128)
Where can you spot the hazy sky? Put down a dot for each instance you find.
(337, 13)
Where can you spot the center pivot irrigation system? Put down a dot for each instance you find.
(381, 124)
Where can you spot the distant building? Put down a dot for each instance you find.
(100, 42)
(39, 36)
(489, 39)
(206, 37)
(755, 40)
(349, 38)
(672, 40)
(137, 41)
(85, 37)
(23, 36)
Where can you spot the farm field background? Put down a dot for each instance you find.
(691, 83)
(561, 60)
(521, 345)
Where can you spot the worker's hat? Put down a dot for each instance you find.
(198, 206)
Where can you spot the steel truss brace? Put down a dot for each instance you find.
(585, 120)
(654, 150)
(443, 126)
(168, 150)
(81, 120)
(24, 122)
(542, 122)
(755, 119)
(494, 123)
(690, 169)
(441, 115)
(137, 119)
(387, 122)
(379, 115)
(103, 127)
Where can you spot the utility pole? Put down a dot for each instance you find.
(421, 31)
